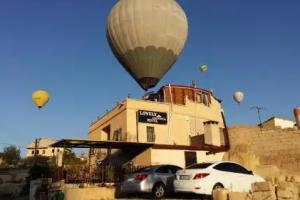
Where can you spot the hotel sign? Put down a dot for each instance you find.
(152, 117)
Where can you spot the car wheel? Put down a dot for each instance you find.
(218, 186)
(158, 191)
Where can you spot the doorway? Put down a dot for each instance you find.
(190, 158)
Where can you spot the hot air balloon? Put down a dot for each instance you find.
(238, 96)
(147, 37)
(40, 98)
(203, 68)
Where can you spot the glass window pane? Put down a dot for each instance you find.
(232, 167)
(199, 166)
(150, 134)
(163, 170)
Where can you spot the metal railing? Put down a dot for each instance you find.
(101, 173)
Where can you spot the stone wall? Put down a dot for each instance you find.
(269, 152)
(82, 191)
(262, 191)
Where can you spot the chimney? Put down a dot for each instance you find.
(297, 116)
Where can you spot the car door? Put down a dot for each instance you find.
(170, 180)
(238, 177)
(165, 175)
(225, 176)
(245, 176)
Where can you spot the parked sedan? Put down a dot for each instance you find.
(155, 180)
(203, 178)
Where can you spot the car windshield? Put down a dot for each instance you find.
(199, 166)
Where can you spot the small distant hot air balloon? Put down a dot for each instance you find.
(147, 36)
(203, 68)
(40, 98)
(238, 96)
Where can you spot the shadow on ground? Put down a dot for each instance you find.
(173, 197)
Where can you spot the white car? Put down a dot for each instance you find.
(203, 178)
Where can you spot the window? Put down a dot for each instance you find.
(120, 134)
(174, 169)
(117, 135)
(145, 169)
(198, 98)
(53, 150)
(190, 158)
(44, 151)
(205, 99)
(202, 98)
(199, 166)
(37, 152)
(232, 167)
(32, 152)
(163, 170)
(150, 134)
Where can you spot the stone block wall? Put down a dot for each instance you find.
(262, 191)
(273, 152)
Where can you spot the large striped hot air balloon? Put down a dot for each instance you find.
(147, 36)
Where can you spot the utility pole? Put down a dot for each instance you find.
(258, 109)
(36, 144)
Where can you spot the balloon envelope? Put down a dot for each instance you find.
(40, 98)
(147, 36)
(238, 96)
(203, 68)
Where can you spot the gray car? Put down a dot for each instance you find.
(156, 180)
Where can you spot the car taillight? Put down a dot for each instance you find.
(140, 177)
(200, 175)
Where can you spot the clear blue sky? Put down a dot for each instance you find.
(60, 45)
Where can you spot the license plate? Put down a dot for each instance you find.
(184, 177)
(130, 179)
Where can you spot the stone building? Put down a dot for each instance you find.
(181, 124)
(42, 147)
(279, 122)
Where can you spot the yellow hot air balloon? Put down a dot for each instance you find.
(203, 68)
(40, 98)
(147, 36)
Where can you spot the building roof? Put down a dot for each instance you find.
(191, 87)
(185, 86)
(41, 143)
(277, 117)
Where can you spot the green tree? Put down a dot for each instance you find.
(40, 167)
(70, 158)
(11, 155)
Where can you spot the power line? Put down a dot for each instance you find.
(259, 109)
(8, 144)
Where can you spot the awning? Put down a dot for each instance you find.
(81, 143)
